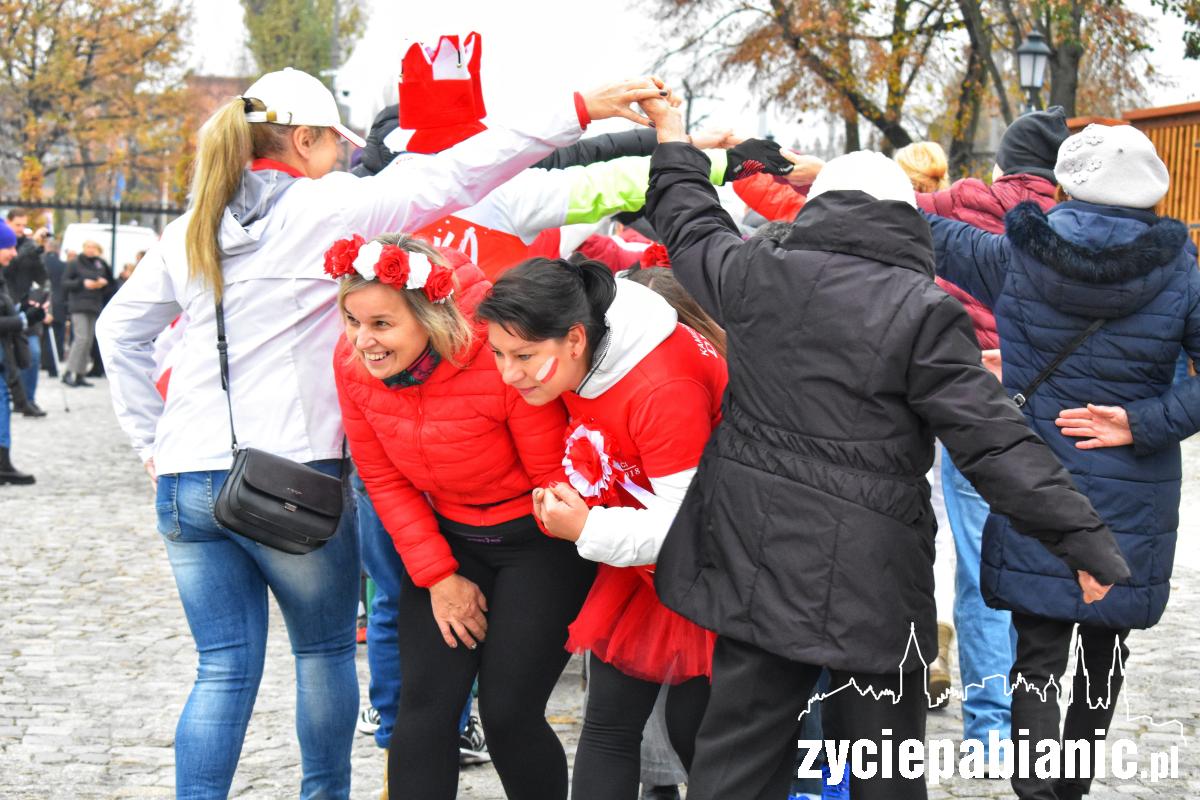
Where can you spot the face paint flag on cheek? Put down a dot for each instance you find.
(547, 371)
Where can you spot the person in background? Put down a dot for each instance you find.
(1106, 292)
(85, 281)
(1024, 172)
(12, 325)
(27, 283)
(52, 339)
(925, 165)
(806, 539)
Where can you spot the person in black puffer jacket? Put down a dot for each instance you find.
(86, 282)
(1111, 411)
(806, 539)
(12, 326)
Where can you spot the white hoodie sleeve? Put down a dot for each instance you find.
(125, 331)
(410, 193)
(628, 537)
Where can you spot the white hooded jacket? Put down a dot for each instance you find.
(280, 308)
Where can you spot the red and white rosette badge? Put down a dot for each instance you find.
(594, 470)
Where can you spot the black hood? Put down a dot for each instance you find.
(1096, 261)
(855, 223)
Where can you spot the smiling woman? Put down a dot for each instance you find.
(449, 455)
(391, 328)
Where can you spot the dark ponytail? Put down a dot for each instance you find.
(543, 298)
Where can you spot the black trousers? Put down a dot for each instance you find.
(746, 747)
(1043, 649)
(534, 587)
(608, 759)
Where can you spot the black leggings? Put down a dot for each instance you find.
(534, 587)
(1043, 649)
(608, 760)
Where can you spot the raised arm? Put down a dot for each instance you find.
(538, 199)
(970, 258)
(604, 147)
(410, 193)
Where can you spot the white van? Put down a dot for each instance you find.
(131, 239)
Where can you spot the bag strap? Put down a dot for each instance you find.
(223, 354)
(1021, 398)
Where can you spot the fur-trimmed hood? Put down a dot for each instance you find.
(1096, 261)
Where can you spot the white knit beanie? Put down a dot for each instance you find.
(1112, 165)
(866, 171)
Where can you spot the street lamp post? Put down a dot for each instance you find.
(1032, 56)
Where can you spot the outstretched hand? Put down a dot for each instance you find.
(1098, 426)
(615, 99)
(805, 168)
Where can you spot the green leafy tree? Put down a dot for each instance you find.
(89, 89)
(310, 35)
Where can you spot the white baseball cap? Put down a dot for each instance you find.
(294, 97)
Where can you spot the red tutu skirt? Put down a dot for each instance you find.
(623, 623)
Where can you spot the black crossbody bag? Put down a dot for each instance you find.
(1021, 398)
(273, 500)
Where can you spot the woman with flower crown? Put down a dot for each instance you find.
(265, 204)
(643, 393)
(449, 454)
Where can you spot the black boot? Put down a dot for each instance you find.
(9, 473)
(659, 792)
(68, 378)
(32, 409)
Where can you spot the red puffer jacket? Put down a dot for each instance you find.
(972, 201)
(462, 444)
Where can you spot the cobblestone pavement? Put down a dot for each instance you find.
(96, 660)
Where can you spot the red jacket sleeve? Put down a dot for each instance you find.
(538, 433)
(404, 511)
(769, 197)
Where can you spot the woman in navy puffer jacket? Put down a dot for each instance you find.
(1109, 411)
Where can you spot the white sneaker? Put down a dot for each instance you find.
(472, 746)
(368, 721)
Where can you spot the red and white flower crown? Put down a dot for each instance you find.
(387, 263)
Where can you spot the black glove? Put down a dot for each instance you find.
(33, 312)
(754, 156)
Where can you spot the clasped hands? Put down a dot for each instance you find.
(561, 511)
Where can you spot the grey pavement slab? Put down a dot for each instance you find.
(96, 659)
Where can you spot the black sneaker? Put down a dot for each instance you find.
(368, 721)
(472, 746)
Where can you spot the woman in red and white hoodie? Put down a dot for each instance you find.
(644, 393)
(449, 455)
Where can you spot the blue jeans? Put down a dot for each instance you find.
(382, 564)
(5, 412)
(223, 581)
(985, 635)
(29, 376)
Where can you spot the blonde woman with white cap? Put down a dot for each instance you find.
(265, 206)
(1093, 300)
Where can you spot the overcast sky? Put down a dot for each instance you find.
(545, 48)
